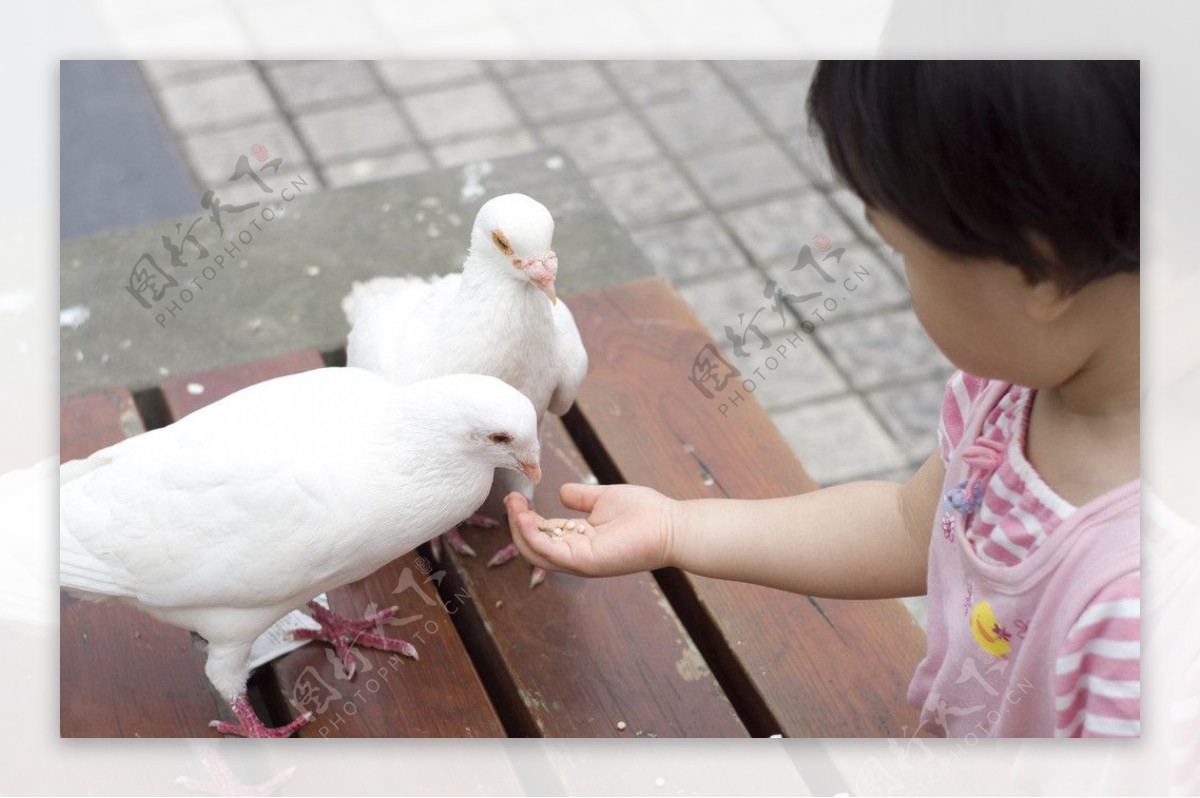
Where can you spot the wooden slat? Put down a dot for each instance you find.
(89, 422)
(801, 666)
(573, 657)
(121, 673)
(438, 696)
(190, 392)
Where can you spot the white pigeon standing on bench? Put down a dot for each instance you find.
(499, 316)
(235, 515)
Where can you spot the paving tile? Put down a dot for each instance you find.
(217, 101)
(560, 94)
(460, 111)
(365, 170)
(744, 173)
(859, 283)
(213, 156)
(784, 378)
(246, 191)
(883, 348)
(781, 227)
(167, 72)
(690, 249)
(737, 301)
(409, 75)
(782, 104)
(341, 133)
(751, 73)
(307, 84)
(602, 142)
(512, 67)
(650, 81)
(784, 367)
(640, 197)
(495, 145)
(911, 413)
(701, 121)
(810, 152)
(838, 440)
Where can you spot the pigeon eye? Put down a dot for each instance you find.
(501, 242)
(500, 437)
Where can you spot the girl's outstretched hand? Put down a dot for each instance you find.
(628, 529)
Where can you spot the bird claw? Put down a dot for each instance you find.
(504, 555)
(458, 542)
(537, 577)
(482, 521)
(344, 633)
(249, 725)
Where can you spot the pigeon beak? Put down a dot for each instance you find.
(547, 288)
(531, 470)
(542, 272)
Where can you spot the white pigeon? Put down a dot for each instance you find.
(500, 316)
(235, 515)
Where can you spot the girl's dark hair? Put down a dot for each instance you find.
(977, 156)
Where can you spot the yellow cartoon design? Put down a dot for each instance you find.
(989, 632)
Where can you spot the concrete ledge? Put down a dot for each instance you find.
(281, 288)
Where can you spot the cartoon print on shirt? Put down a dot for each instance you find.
(989, 631)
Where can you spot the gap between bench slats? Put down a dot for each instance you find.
(802, 666)
(575, 657)
(390, 696)
(121, 673)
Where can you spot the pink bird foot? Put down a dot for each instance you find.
(250, 726)
(344, 633)
(482, 521)
(504, 555)
(457, 542)
(509, 552)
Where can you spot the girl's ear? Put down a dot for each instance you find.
(1046, 302)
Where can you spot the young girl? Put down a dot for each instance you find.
(1011, 190)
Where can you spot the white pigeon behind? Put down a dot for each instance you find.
(498, 316)
(228, 519)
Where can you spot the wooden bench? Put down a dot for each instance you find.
(646, 655)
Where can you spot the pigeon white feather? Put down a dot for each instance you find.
(233, 516)
(498, 316)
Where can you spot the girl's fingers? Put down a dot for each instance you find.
(533, 544)
(580, 497)
(515, 502)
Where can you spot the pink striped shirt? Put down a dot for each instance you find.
(1044, 594)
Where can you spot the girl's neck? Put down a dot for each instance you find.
(1107, 387)
(1084, 434)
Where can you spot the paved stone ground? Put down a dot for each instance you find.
(706, 164)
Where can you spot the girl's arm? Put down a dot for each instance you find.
(859, 540)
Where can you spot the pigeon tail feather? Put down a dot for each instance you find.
(365, 297)
(80, 572)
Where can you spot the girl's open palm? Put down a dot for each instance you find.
(628, 529)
